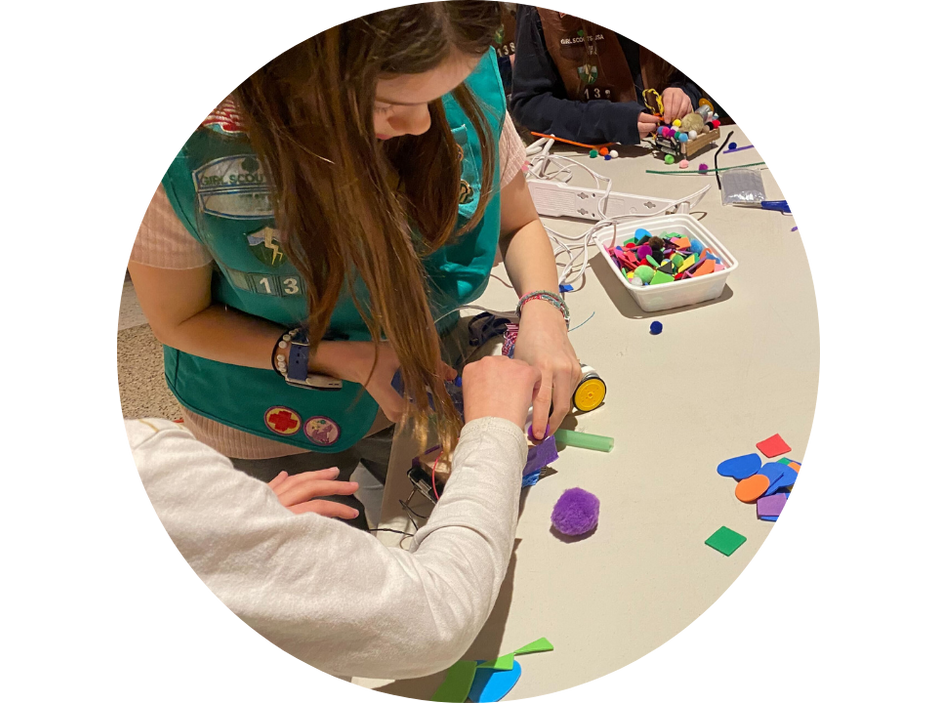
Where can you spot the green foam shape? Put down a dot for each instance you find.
(541, 645)
(652, 261)
(785, 461)
(726, 541)
(661, 277)
(458, 683)
(506, 661)
(503, 663)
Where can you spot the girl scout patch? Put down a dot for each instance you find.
(465, 192)
(588, 73)
(282, 420)
(322, 431)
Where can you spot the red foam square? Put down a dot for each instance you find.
(773, 446)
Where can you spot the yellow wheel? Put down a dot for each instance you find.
(590, 394)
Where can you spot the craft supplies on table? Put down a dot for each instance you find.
(705, 283)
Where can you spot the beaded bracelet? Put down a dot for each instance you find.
(279, 357)
(549, 297)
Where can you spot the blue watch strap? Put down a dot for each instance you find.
(298, 367)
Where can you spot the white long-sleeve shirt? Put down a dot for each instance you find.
(327, 593)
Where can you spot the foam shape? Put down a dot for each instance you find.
(492, 685)
(641, 232)
(458, 683)
(705, 268)
(661, 277)
(666, 267)
(786, 479)
(726, 541)
(769, 518)
(773, 470)
(682, 242)
(530, 479)
(651, 261)
(795, 465)
(773, 446)
(687, 263)
(540, 455)
(719, 267)
(503, 663)
(740, 467)
(771, 506)
(535, 647)
(752, 488)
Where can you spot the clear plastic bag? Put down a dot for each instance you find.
(742, 186)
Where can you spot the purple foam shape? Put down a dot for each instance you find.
(540, 455)
(771, 506)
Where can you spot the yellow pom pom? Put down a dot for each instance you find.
(676, 123)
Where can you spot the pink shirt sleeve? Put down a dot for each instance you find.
(164, 242)
(512, 152)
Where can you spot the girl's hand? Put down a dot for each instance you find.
(677, 104)
(543, 343)
(379, 386)
(497, 386)
(646, 124)
(298, 492)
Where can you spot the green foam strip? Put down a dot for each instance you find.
(458, 683)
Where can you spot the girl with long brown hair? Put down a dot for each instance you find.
(320, 230)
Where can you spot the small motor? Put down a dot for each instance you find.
(591, 390)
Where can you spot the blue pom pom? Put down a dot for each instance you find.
(656, 327)
(733, 145)
(696, 246)
(683, 137)
(608, 157)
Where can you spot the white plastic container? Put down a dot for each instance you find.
(676, 294)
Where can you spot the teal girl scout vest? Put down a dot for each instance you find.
(218, 190)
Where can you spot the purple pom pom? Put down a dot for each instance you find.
(576, 512)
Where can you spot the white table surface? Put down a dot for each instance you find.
(719, 378)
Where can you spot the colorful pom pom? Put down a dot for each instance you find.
(684, 163)
(656, 327)
(593, 153)
(603, 151)
(684, 138)
(576, 512)
(676, 123)
(613, 154)
(733, 145)
(703, 167)
(668, 159)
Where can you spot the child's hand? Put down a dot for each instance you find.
(646, 124)
(298, 491)
(677, 104)
(497, 386)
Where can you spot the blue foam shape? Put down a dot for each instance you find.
(773, 470)
(565, 288)
(766, 518)
(740, 467)
(641, 232)
(531, 479)
(491, 685)
(786, 479)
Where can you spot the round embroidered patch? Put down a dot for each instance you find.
(322, 431)
(282, 420)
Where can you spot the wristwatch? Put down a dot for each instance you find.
(297, 367)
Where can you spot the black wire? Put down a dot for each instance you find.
(409, 509)
(387, 529)
(716, 158)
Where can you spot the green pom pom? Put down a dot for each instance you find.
(668, 159)
(593, 153)
(645, 273)
(677, 261)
